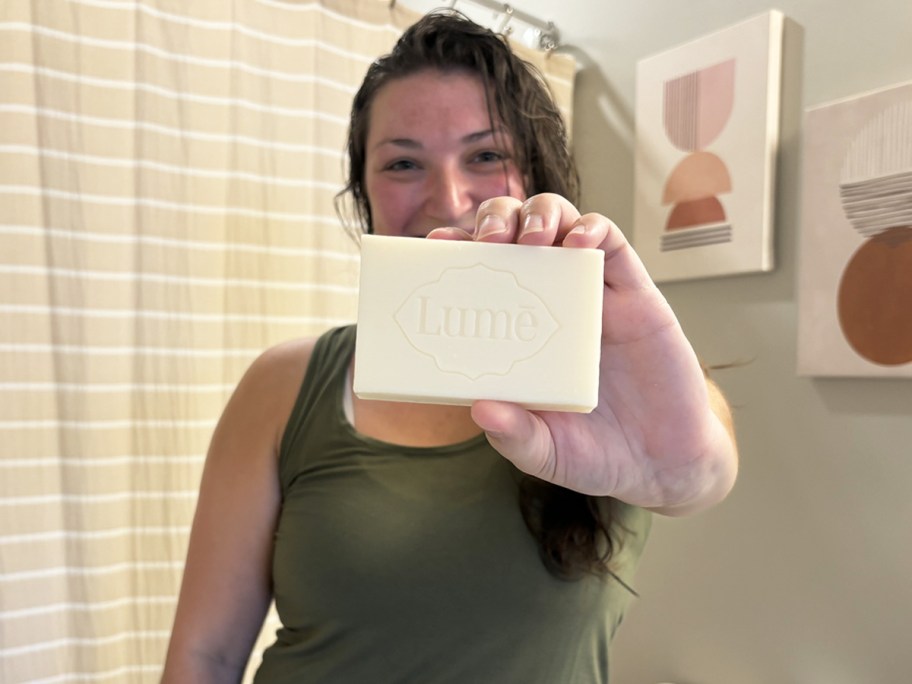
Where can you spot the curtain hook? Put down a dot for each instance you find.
(549, 39)
(506, 15)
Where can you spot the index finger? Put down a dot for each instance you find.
(544, 219)
(623, 267)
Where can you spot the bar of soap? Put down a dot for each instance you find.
(449, 322)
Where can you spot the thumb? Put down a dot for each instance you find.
(518, 435)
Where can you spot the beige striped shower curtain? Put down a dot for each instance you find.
(167, 173)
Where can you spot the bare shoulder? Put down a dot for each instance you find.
(280, 362)
(266, 393)
(281, 365)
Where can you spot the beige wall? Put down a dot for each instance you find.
(804, 575)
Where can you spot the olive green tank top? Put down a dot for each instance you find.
(405, 564)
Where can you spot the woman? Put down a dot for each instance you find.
(424, 543)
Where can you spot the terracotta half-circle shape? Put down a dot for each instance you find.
(699, 212)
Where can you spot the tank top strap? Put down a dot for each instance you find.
(321, 389)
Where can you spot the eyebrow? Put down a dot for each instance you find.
(414, 144)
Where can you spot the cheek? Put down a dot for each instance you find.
(389, 205)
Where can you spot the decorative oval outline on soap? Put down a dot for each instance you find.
(497, 280)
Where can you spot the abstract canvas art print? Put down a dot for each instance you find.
(855, 279)
(707, 124)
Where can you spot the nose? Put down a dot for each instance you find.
(450, 200)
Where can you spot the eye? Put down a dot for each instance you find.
(488, 156)
(401, 165)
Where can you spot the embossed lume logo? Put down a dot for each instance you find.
(476, 321)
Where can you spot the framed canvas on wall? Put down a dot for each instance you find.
(855, 263)
(707, 127)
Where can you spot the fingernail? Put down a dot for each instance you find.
(533, 223)
(492, 224)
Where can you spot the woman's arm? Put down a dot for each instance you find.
(226, 588)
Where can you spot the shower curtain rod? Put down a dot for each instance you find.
(543, 34)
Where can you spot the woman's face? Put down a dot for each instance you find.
(431, 156)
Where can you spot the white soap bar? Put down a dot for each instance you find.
(449, 322)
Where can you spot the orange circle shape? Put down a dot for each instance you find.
(874, 301)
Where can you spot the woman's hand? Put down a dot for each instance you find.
(661, 435)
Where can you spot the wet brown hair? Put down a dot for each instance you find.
(576, 535)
